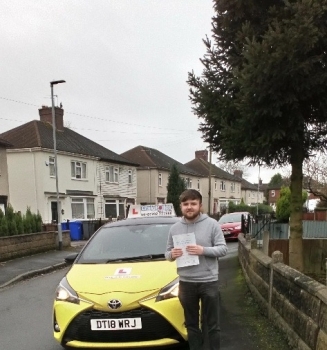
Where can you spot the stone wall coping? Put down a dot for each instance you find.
(305, 282)
(261, 257)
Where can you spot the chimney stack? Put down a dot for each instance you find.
(46, 116)
(238, 173)
(202, 155)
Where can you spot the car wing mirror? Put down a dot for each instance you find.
(71, 258)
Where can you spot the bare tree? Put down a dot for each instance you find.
(230, 167)
(315, 175)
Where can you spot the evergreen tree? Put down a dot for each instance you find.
(10, 213)
(261, 96)
(31, 220)
(176, 185)
(276, 180)
(4, 227)
(38, 221)
(27, 224)
(19, 223)
(12, 228)
(283, 205)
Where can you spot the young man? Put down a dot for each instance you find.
(198, 282)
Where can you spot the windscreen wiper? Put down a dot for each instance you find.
(140, 257)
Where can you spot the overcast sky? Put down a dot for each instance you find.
(125, 63)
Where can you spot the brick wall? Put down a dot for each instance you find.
(12, 247)
(293, 301)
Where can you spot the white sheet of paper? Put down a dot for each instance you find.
(181, 241)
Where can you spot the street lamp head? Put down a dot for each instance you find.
(57, 82)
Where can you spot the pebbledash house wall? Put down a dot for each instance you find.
(12, 247)
(294, 302)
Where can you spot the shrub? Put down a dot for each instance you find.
(4, 226)
(19, 223)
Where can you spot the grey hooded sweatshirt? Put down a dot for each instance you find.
(207, 234)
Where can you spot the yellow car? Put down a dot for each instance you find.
(120, 292)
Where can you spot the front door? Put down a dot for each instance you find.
(54, 212)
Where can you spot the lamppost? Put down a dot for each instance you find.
(55, 159)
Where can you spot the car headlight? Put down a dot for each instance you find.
(65, 292)
(169, 291)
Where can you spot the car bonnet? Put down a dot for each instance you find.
(130, 277)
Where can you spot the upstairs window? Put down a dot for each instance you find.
(232, 187)
(216, 185)
(273, 193)
(160, 179)
(52, 168)
(188, 182)
(198, 185)
(78, 170)
(222, 186)
(130, 176)
(112, 174)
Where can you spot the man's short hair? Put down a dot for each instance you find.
(190, 195)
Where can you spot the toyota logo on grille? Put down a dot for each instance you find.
(114, 304)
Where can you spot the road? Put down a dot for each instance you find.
(25, 313)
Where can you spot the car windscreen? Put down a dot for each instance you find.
(231, 218)
(126, 242)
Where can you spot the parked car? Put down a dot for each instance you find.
(231, 224)
(120, 292)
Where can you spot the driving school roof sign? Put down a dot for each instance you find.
(142, 211)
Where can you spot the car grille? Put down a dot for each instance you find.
(154, 327)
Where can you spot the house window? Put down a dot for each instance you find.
(188, 182)
(198, 185)
(215, 185)
(222, 186)
(78, 170)
(115, 208)
(130, 174)
(83, 208)
(160, 179)
(52, 168)
(112, 174)
(232, 187)
(272, 193)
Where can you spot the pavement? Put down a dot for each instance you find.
(16, 270)
(243, 327)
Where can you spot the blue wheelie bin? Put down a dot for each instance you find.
(76, 230)
(65, 226)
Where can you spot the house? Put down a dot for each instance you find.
(251, 194)
(4, 184)
(263, 187)
(153, 174)
(273, 195)
(93, 182)
(225, 187)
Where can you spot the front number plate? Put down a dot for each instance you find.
(116, 324)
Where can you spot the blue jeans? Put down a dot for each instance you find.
(190, 295)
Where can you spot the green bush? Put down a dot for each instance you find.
(13, 223)
(262, 208)
(283, 205)
(19, 223)
(4, 226)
